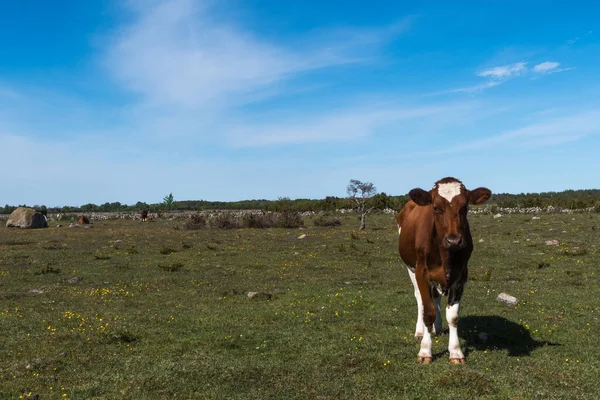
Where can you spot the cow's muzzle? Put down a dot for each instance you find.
(454, 242)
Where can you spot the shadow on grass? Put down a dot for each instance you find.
(501, 334)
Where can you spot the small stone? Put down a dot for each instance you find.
(553, 242)
(74, 279)
(498, 216)
(480, 240)
(259, 295)
(302, 236)
(59, 226)
(36, 291)
(535, 218)
(483, 337)
(507, 299)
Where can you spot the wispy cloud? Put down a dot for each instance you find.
(474, 88)
(553, 132)
(549, 67)
(498, 75)
(495, 77)
(504, 72)
(338, 126)
(178, 53)
(578, 38)
(545, 67)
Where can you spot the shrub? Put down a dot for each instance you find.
(258, 221)
(46, 269)
(224, 221)
(290, 220)
(165, 250)
(171, 267)
(327, 221)
(195, 221)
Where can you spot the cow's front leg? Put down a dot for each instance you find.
(456, 354)
(419, 327)
(429, 314)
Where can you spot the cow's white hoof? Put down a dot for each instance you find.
(457, 361)
(424, 360)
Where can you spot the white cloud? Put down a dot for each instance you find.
(501, 74)
(549, 67)
(504, 72)
(546, 67)
(475, 88)
(495, 77)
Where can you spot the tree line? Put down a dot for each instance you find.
(569, 199)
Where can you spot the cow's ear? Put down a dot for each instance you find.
(421, 197)
(479, 195)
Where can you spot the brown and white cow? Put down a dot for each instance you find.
(435, 243)
(145, 215)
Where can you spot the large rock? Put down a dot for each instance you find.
(507, 299)
(25, 217)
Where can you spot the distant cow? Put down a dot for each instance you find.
(145, 215)
(83, 220)
(435, 243)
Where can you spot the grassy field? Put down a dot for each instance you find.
(132, 310)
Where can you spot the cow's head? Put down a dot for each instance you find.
(449, 201)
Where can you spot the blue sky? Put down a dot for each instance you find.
(228, 100)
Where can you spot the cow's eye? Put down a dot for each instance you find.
(437, 209)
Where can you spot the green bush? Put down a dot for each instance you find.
(290, 220)
(326, 221)
(258, 221)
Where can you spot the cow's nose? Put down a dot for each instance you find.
(454, 241)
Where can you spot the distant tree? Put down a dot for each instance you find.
(361, 193)
(283, 204)
(140, 205)
(168, 201)
(381, 201)
(88, 207)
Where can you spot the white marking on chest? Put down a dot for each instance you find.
(449, 190)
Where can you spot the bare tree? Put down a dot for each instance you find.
(361, 193)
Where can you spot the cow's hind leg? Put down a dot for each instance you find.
(420, 326)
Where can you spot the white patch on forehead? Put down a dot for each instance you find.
(449, 190)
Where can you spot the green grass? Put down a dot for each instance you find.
(143, 310)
